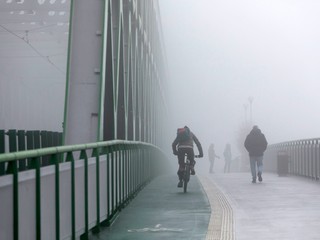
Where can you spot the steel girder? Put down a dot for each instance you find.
(116, 73)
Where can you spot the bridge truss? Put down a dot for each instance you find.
(116, 81)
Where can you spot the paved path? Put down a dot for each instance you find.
(279, 208)
(163, 211)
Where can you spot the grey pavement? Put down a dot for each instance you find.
(279, 208)
(162, 211)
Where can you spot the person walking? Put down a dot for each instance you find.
(227, 158)
(212, 155)
(256, 144)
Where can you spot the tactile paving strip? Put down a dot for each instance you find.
(221, 225)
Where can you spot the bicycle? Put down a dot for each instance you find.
(186, 175)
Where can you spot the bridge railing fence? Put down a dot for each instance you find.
(303, 157)
(14, 140)
(84, 188)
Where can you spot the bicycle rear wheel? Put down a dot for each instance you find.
(186, 178)
(185, 186)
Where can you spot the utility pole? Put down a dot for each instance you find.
(245, 106)
(250, 101)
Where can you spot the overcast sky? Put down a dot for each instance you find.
(220, 53)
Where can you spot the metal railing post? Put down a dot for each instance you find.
(127, 171)
(36, 163)
(44, 144)
(21, 147)
(304, 156)
(15, 200)
(85, 236)
(50, 139)
(317, 159)
(117, 179)
(12, 133)
(112, 182)
(70, 158)
(55, 160)
(108, 181)
(2, 150)
(30, 145)
(96, 154)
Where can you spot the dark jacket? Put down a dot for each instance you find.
(187, 144)
(255, 143)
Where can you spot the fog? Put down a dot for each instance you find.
(221, 53)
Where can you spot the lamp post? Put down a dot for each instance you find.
(245, 107)
(250, 101)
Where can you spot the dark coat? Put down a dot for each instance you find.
(255, 143)
(186, 144)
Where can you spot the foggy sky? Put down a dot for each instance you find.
(220, 53)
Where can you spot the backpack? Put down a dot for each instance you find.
(183, 134)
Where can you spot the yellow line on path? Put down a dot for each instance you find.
(221, 225)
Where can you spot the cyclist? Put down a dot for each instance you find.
(183, 145)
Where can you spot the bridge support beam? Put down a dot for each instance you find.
(116, 87)
(84, 71)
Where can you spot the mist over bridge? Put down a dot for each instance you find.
(115, 123)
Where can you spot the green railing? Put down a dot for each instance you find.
(88, 184)
(14, 140)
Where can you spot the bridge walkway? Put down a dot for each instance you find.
(221, 206)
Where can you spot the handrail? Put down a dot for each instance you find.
(303, 157)
(294, 142)
(125, 167)
(13, 140)
(7, 157)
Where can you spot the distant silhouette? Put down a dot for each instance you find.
(212, 155)
(227, 158)
(256, 144)
(182, 145)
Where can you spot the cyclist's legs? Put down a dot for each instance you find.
(190, 156)
(181, 155)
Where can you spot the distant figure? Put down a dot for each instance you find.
(212, 155)
(227, 158)
(183, 145)
(256, 144)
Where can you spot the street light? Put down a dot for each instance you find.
(245, 106)
(250, 101)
